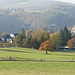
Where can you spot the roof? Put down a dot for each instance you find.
(6, 35)
(63, 46)
(73, 29)
(15, 34)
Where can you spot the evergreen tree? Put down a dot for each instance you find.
(19, 38)
(27, 42)
(65, 36)
(22, 32)
(47, 36)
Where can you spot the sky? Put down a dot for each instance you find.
(12, 1)
(71, 1)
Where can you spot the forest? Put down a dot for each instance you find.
(58, 16)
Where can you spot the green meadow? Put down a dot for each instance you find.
(36, 67)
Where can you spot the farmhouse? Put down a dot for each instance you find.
(7, 37)
(64, 48)
(13, 35)
(73, 30)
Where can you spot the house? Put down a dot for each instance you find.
(14, 35)
(64, 48)
(7, 36)
(73, 30)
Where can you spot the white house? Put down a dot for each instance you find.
(73, 30)
(13, 35)
(8, 38)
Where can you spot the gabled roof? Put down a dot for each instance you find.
(73, 29)
(15, 34)
(6, 35)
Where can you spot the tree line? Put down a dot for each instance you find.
(43, 40)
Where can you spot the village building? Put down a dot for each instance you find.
(73, 30)
(7, 37)
(14, 35)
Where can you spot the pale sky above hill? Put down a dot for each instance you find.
(6, 1)
(71, 1)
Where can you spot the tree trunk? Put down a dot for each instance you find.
(46, 52)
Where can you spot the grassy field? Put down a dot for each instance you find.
(33, 67)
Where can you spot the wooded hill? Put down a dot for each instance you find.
(56, 16)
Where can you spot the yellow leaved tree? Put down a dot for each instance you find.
(47, 46)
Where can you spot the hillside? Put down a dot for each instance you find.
(56, 15)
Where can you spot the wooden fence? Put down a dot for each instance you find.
(39, 60)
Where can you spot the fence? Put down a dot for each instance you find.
(39, 60)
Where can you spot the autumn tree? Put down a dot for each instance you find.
(28, 33)
(41, 34)
(33, 43)
(73, 36)
(47, 36)
(31, 33)
(47, 46)
(4, 34)
(71, 43)
(55, 39)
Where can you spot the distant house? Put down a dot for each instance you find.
(14, 35)
(8, 38)
(64, 48)
(73, 30)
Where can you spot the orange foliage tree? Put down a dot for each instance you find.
(71, 43)
(4, 34)
(33, 43)
(47, 46)
(28, 33)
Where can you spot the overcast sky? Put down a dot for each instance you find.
(71, 1)
(6, 1)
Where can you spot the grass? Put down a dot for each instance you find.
(23, 53)
(36, 68)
